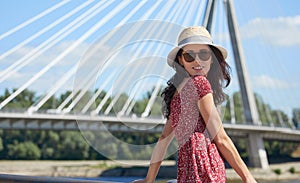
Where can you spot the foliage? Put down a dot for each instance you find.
(52, 103)
(292, 170)
(72, 146)
(1, 144)
(296, 117)
(280, 149)
(24, 150)
(24, 100)
(277, 171)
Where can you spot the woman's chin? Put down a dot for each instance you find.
(198, 74)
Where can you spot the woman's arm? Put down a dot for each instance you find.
(221, 139)
(159, 153)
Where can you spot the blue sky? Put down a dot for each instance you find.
(269, 29)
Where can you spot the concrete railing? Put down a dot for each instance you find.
(7, 178)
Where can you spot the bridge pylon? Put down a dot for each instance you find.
(256, 150)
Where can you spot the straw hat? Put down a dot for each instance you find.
(193, 35)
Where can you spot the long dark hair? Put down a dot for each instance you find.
(218, 76)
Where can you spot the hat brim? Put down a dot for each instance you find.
(173, 52)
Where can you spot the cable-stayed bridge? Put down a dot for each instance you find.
(118, 56)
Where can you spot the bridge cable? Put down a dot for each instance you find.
(62, 55)
(89, 80)
(152, 98)
(70, 97)
(67, 76)
(76, 23)
(60, 83)
(50, 42)
(98, 92)
(132, 33)
(142, 84)
(158, 85)
(24, 24)
(20, 45)
(140, 49)
(95, 49)
(103, 40)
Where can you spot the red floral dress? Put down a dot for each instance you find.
(198, 158)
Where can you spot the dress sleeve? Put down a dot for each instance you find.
(202, 86)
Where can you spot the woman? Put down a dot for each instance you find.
(190, 108)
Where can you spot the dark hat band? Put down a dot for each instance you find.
(193, 39)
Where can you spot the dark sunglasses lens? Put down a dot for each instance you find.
(189, 56)
(204, 55)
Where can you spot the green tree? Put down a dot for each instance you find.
(99, 100)
(24, 150)
(1, 144)
(84, 99)
(6, 94)
(296, 117)
(118, 105)
(261, 109)
(72, 146)
(238, 108)
(63, 97)
(50, 145)
(140, 106)
(51, 103)
(1, 141)
(226, 111)
(104, 144)
(277, 149)
(280, 119)
(37, 136)
(24, 100)
(12, 136)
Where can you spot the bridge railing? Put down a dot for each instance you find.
(5, 178)
(23, 115)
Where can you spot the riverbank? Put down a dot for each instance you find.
(285, 171)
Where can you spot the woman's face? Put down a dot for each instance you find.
(196, 59)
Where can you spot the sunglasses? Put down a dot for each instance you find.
(190, 55)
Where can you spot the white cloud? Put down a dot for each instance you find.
(281, 31)
(267, 82)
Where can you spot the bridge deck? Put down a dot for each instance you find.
(128, 124)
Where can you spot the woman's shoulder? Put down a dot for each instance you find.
(202, 85)
(197, 79)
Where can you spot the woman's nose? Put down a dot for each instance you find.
(197, 59)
